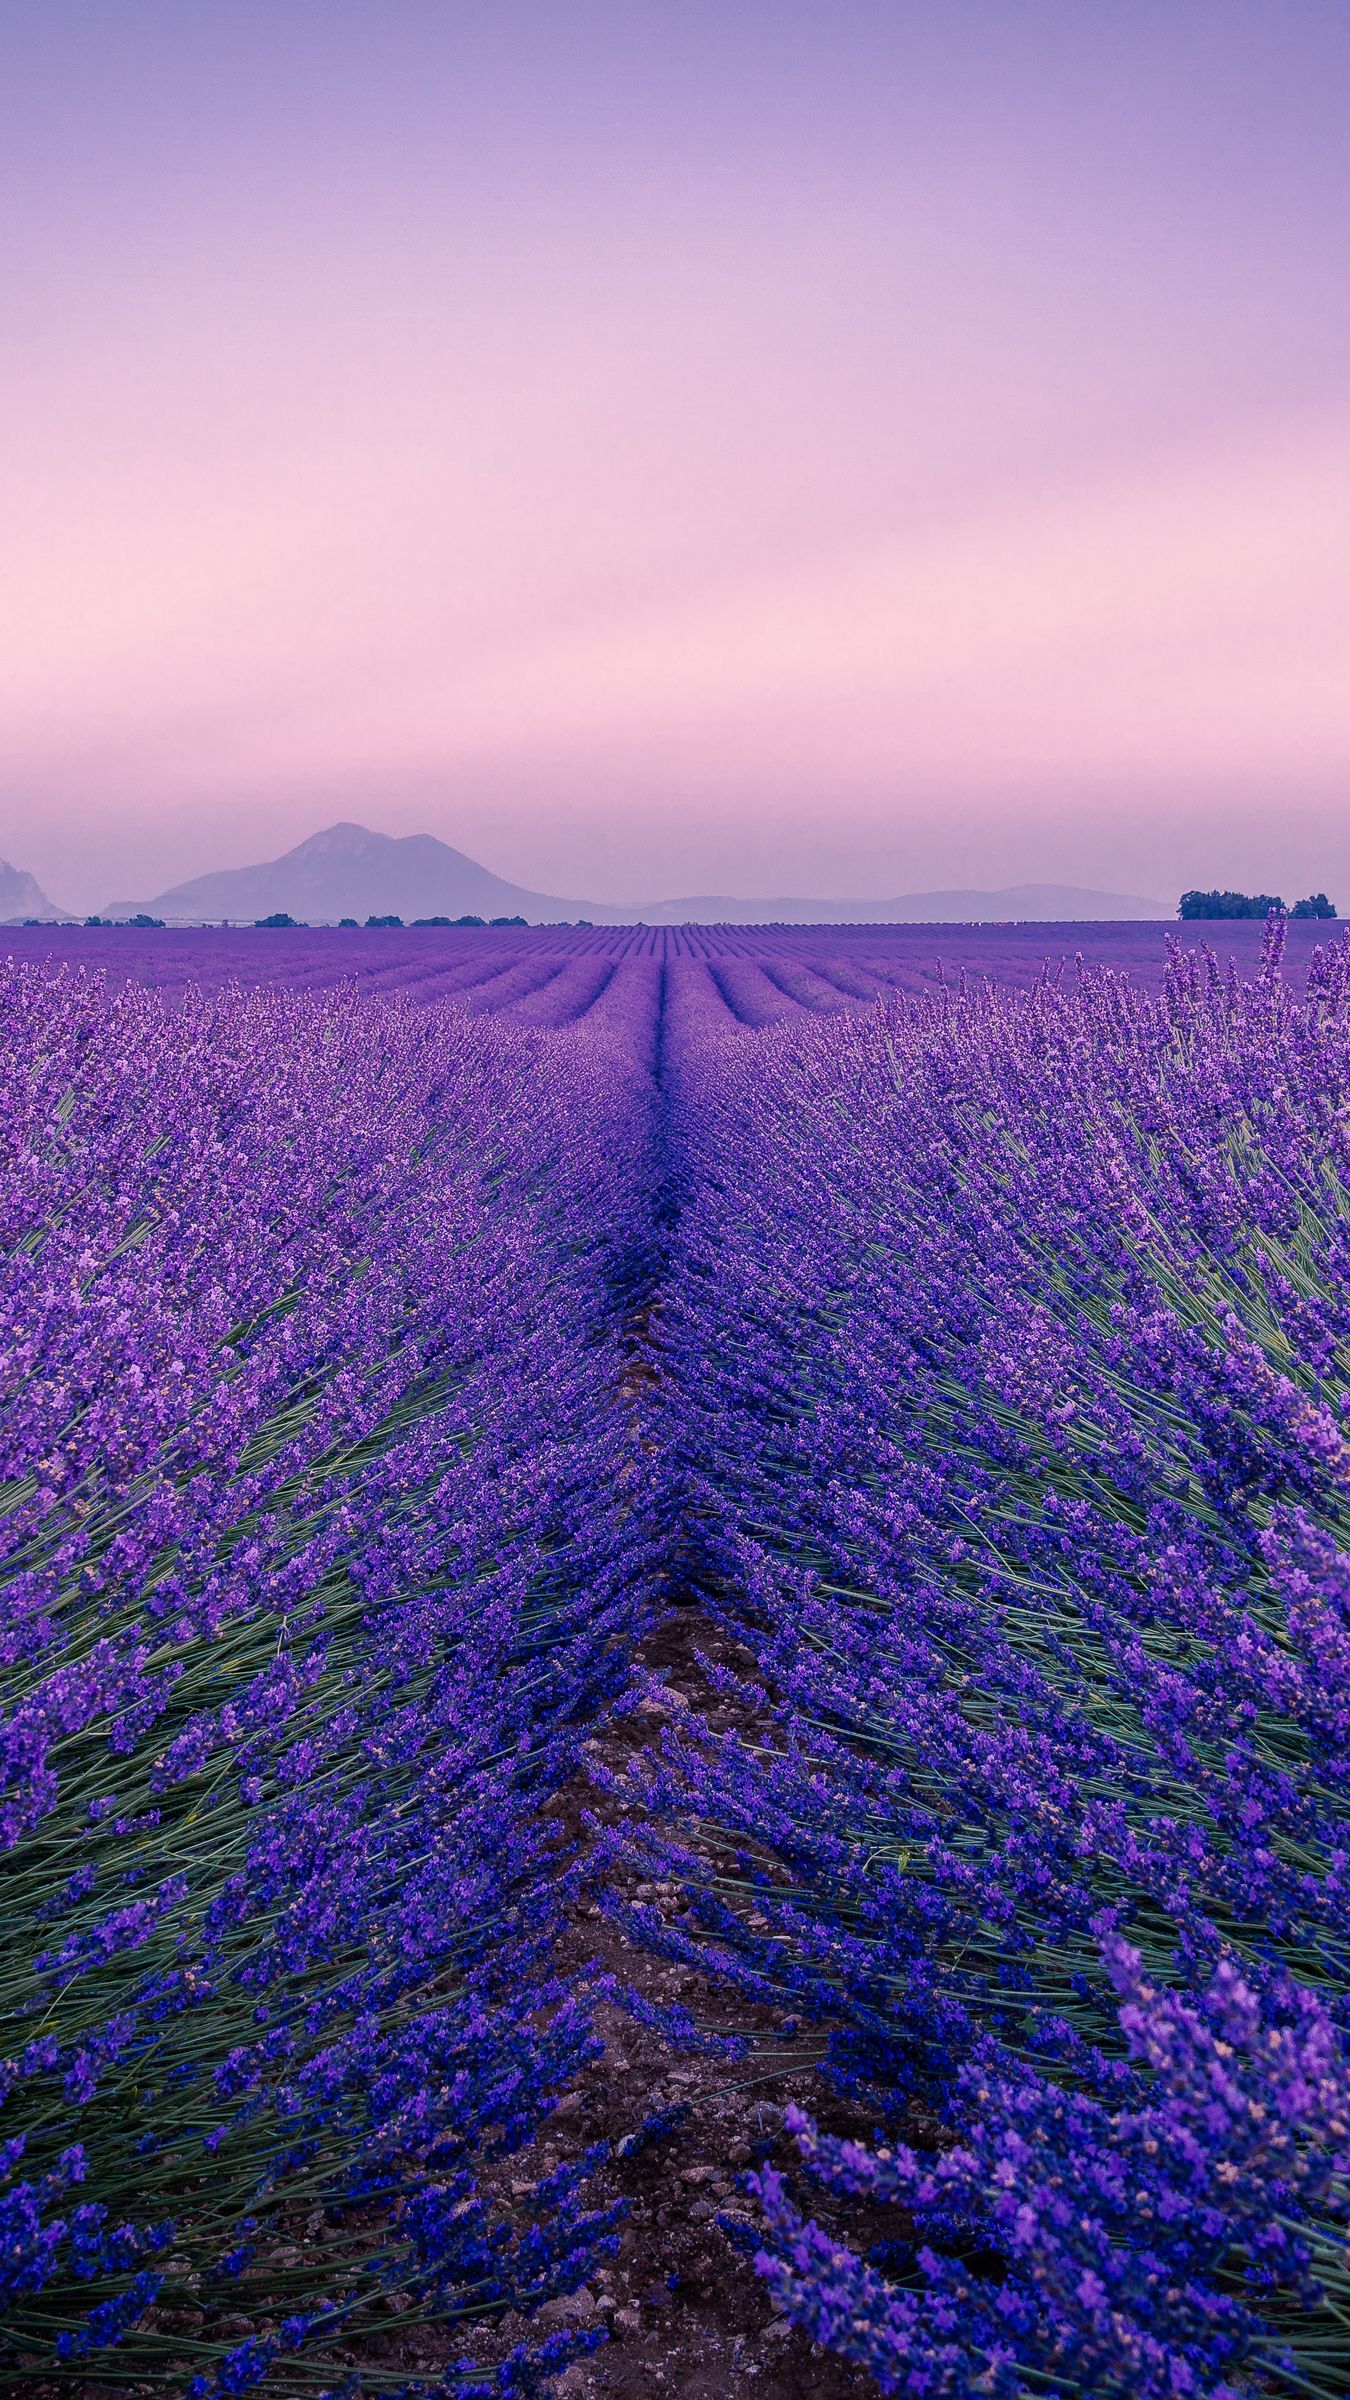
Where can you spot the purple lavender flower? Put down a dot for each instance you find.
(321, 1548)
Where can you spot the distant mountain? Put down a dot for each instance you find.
(347, 871)
(1024, 903)
(21, 895)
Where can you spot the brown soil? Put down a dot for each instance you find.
(685, 2313)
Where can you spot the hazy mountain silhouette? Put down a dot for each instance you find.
(348, 871)
(21, 895)
(1039, 903)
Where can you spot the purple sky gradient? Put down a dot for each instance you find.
(836, 448)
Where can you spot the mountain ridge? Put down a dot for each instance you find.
(347, 870)
(21, 896)
(1022, 903)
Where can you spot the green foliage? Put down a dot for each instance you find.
(1229, 904)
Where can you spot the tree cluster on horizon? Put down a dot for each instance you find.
(1251, 904)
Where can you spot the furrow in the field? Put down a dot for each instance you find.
(567, 995)
(913, 975)
(423, 982)
(695, 1012)
(625, 1013)
(803, 986)
(848, 976)
(511, 983)
(748, 992)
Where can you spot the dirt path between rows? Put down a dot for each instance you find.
(686, 2314)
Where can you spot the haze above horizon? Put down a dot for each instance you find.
(839, 450)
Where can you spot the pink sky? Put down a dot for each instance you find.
(842, 449)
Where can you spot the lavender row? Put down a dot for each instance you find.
(320, 1547)
(1007, 1364)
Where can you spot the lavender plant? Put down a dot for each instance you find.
(1007, 1356)
(319, 1549)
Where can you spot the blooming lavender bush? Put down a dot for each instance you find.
(319, 1551)
(1007, 1358)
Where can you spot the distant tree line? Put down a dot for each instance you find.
(383, 921)
(283, 922)
(1251, 904)
(140, 923)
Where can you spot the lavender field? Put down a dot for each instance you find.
(558, 975)
(947, 1331)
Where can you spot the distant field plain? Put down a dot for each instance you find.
(556, 975)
